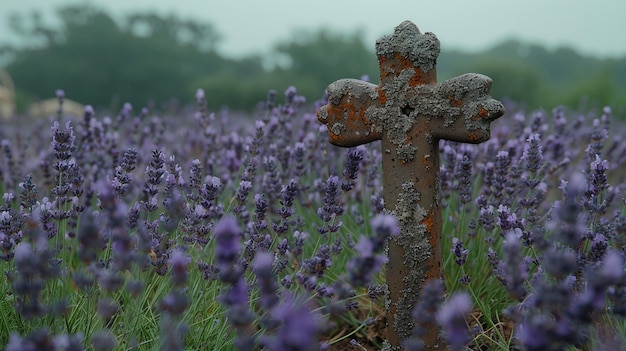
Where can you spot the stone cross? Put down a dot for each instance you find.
(410, 112)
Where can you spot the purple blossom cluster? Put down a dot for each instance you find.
(255, 233)
(546, 221)
(123, 210)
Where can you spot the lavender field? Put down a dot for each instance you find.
(211, 230)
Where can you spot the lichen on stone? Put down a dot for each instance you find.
(338, 128)
(397, 88)
(406, 40)
(414, 241)
(406, 152)
(322, 114)
(429, 138)
(391, 119)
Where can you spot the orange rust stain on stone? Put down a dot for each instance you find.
(454, 102)
(473, 136)
(419, 78)
(382, 98)
(399, 63)
(335, 138)
(404, 64)
(351, 114)
(384, 68)
(429, 220)
(483, 112)
(434, 271)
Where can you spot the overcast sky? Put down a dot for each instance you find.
(251, 26)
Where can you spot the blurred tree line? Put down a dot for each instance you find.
(149, 59)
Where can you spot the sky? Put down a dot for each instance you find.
(253, 26)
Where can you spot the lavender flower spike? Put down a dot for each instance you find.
(300, 328)
(451, 317)
(227, 235)
(179, 263)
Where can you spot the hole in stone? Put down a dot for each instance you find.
(406, 110)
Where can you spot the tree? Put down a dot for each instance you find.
(322, 57)
(512, 79)
(202, 36)
(97, 61)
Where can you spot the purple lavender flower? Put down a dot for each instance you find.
(464, 176)
(34, 265)
(260, 212)
(384, 226)
(317, 265)
(103, 340)
(365, 264)
(155, 171)
(241, 196)
(122, 179)
(332, 206)
(300, 329)
(227, 236)
(110, 280)
(62, 143)
(534, 334)
(14, 172)
(271, 178)
(172, 334)
(287, 196)
(42, 340)
(179, 263)
(486, 219)
(236, 301)
(452, 317)
(424, 313)
(228, 248)
(262, 267)
(28, 193)
(299, 239)
(300, 167)
(88, 237)
(307, 280)
(270, 101)
(370, 257)
(175, 303)
(501, 171)
(598, 137)
(533, 154)
(107, 308)
(459, 251)
(353, 161)
(208, 196)
(516, 270)
(613, 271)
(597, 185)
(290, 94)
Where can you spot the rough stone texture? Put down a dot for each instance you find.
(410, 112)
(407, 40)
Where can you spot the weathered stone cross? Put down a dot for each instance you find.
(409, 112)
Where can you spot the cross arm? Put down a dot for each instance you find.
(463, 105)
(344, 115)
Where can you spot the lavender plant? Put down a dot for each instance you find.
(214, 230)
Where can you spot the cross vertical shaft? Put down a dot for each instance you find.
(410, 112)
